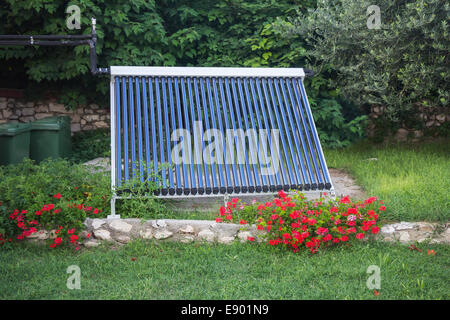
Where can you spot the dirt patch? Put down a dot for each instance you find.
(345, 185)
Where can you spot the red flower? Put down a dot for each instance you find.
(95, 211)
(345, 200)
(229, 217)
(334, 209)
(328, 237)
(57, 196)
(73, 238)
(375, 230)
(282, 194)
(382, 208)
(243, 221)
(344, 238)
(250, 238)
(359, 235)
(219, 220)
(71, 231)
(58, 241)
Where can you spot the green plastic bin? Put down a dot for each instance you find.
(50, 138)
(14, 142)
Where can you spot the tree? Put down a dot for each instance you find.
(403, 62)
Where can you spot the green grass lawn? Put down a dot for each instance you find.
(413, 180)
(238, 271)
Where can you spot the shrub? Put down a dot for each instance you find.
(57, 195)
(294, 222)
(403, 62)
(138, 194)
(335, 131)
(28, 185)
(88, 145)
(53, 195)
(62, 217)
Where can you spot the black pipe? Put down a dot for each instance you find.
(34, 42)
(59, 40)
(45, 37)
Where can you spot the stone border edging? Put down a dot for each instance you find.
(122, 231)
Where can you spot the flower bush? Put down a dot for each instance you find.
(38, 196)
(295, 223)
(28, 185)
(62, 217)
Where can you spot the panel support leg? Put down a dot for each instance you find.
(332, 193)
(113, 214)
(226, 199)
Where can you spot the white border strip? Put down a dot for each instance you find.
(206, 72)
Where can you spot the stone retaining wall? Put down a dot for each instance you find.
(431, 118)
(122, 231)
(82, 119)
(93, 117)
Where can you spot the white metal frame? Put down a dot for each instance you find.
(113, 107)
(332, 192)
(206, 72)
(195, 72)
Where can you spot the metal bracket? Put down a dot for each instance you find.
(308, 72)
(226, 199)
